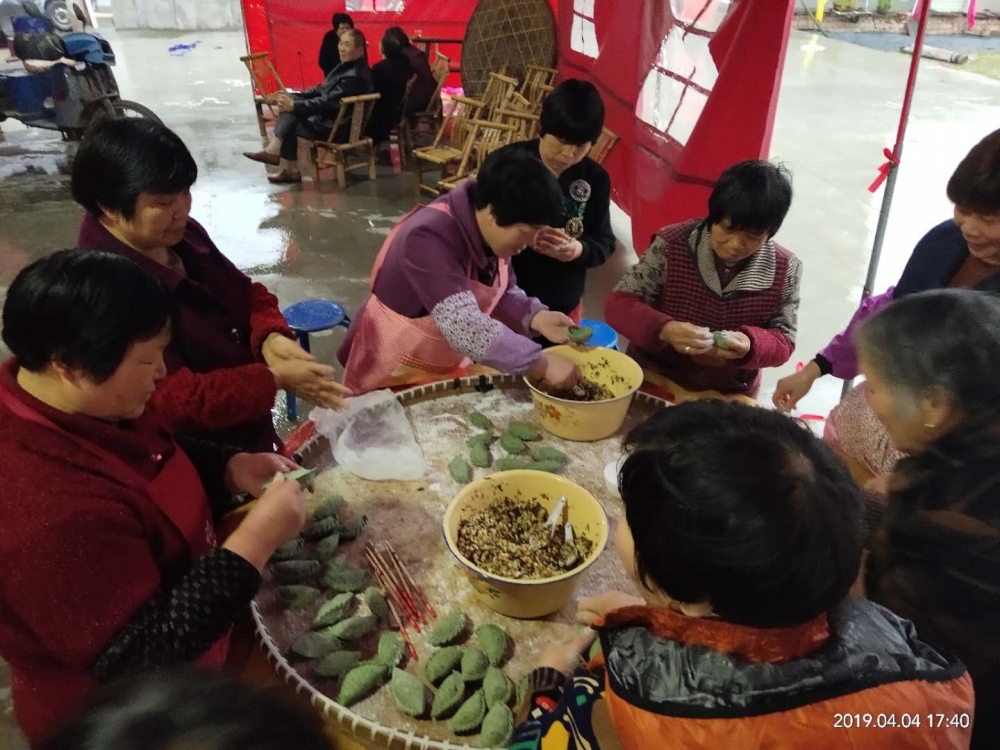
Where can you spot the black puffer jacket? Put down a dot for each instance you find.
(319, 105)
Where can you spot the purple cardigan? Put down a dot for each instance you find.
(428, 270)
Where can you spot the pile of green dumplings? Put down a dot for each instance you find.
(515, 443)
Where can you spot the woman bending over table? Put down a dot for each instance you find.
(107, 540)
(714, 300)
(554, 268)
(231, 350)
(742, 531)
(963, 252)
(931, 363)
(443, 294)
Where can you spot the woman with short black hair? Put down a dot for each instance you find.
(715, 300)
(329, 55)
(931, 362)
(231, 351)
(962, 252)
(442, 292)
(742, 533)
(555, 268)
(107, 538)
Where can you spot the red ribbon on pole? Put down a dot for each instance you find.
(883, 172)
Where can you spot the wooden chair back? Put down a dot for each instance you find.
(525, 124)
(358, 110)
(441, 69)
(489, 135)
(600, 150)
(535, 76)
(499, 92)
(265, 79)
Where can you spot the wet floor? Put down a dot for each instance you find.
(839, 108)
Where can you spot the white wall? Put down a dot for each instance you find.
(184, 15)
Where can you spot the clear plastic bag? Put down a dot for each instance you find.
(373, 438)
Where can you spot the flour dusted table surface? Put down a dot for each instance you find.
(409, 515)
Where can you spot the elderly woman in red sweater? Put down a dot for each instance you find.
(231, 351)
(107, 542)
(714, 300)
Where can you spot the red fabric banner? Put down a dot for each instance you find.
(690, 86)
(292, 30)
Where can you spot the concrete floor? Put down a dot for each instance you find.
(839, 108)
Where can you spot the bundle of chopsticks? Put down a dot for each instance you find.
(406, 599)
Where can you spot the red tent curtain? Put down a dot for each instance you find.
(690, 86)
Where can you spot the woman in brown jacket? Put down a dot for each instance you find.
(936, 557)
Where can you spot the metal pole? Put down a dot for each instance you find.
(893, 167)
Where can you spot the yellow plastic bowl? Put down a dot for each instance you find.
(586, 421)
(527, 599)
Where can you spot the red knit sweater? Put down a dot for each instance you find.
(218, 386)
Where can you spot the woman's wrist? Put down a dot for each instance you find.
(250, 547)
(818, 367)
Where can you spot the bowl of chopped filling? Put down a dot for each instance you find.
(596, 407)
(524, 539)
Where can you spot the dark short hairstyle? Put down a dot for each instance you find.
(519, 189)
(394, 41)
(395, 37)
(573, 112)
(82, 309)
(753, 195)
(975, 185)
(189, 708)
(339, 18)
(120, 159)
(359, 38)
(744, 508)
(947, 339)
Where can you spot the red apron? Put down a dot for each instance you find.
(390, 349)
(46, 697)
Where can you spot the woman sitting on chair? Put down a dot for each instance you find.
(714, 300)
(312, 113)
(231, 350)
(390, 77)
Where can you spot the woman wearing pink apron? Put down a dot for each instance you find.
(107, 537)
(443, 294)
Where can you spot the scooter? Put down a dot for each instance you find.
(60, 82)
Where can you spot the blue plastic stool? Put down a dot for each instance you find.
(604, 335)
(312, 316)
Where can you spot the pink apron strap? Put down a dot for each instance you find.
(384, 251)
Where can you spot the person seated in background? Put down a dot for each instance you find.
(554, 268)
(110, 560)
(744, 533)
(231, 350)
(443, 294)
(389, 76)
(425, 85)
(714, 300)
(329, 53)
(962, 252)
(191, 710)
(931, 362)
(312, 113)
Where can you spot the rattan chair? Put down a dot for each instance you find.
(266, 84)
(329, 153)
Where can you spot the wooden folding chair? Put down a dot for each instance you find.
(600, 150)
(401, 133)
(266, 85)
(357, 110)
(498, 95)
(486, 138)
(440, 156)
(536, 76)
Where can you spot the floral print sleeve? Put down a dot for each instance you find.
(645, 278)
